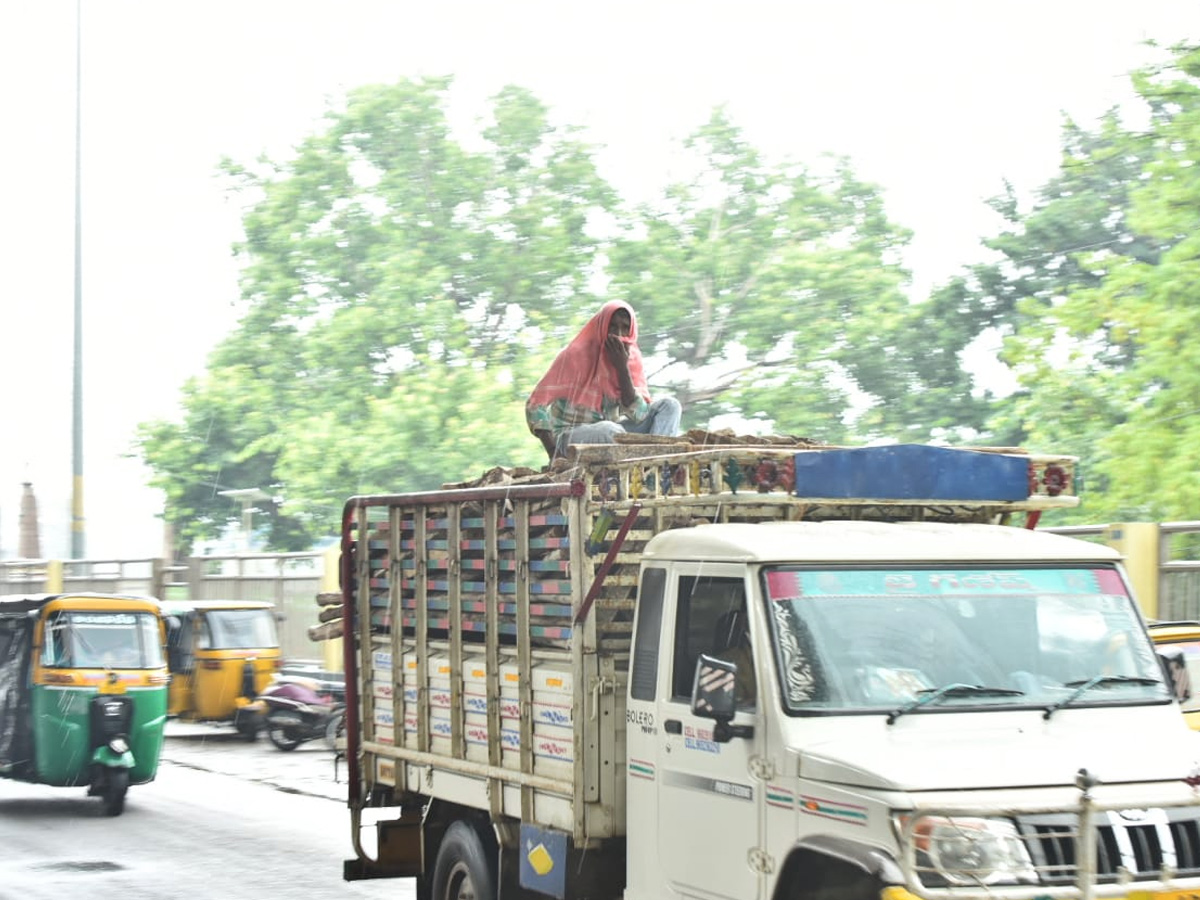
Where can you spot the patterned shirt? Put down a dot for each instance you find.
(559, 415)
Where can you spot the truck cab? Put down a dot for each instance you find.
(923, 694)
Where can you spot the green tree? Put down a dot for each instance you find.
(1105, 343)
(766, 286)
(925, 393)
(393, 283)
(1083, 208)
(1152, 456)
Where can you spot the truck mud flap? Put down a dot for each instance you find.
(363, 869)
(400, 853)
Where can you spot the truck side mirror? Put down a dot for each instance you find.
(713, 697)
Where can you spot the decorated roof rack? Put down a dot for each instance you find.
(901, 481)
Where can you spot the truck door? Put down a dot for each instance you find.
(708, 802)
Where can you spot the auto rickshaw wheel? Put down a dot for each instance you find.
(116, 783)
(247, 728)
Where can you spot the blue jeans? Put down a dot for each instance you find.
(663, 418)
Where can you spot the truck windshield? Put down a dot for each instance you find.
(880, 639)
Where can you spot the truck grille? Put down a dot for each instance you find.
(1140, 842)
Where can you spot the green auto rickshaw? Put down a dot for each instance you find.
(83, 691)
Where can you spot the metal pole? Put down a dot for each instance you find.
(1085, 843)
(77, 522)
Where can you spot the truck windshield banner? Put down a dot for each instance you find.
(791, 584)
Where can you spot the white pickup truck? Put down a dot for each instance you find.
(812, 674)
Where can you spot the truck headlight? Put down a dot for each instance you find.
(965, 850)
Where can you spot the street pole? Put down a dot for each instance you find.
(77, 521)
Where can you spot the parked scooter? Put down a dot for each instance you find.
(295, 710)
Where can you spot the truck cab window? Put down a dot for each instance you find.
(644, 674)
(711, 618)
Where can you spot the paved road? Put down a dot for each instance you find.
(196, 833)
(308, 770)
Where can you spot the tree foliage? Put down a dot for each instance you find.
(391, 276)
(767, 287)
(1102, 317)
(403, 293)
(404, 287)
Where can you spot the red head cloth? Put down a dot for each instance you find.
(582, 372)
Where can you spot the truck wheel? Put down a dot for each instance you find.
(463, 870)
(116, 783)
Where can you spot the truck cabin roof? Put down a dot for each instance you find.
(857, 541)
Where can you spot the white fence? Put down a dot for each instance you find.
(289, 580)
(1177, 564)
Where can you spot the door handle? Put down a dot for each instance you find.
(673, 726)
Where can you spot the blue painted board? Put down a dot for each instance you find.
(911, 472)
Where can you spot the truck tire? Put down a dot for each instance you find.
(463, 870)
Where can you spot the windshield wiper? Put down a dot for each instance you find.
(951, 690)
(1085, 685)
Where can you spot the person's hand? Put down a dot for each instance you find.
(618, 351)
(548, 442)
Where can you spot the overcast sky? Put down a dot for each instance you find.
(938, 102)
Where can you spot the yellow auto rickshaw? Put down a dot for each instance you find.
(1178, 643)
(83, 691)
(221, 654)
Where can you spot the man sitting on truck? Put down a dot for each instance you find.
(596, 388)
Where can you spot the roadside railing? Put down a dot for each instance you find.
(291, 581)
(1178, 575)
(1177, 563)
(113, 576)
(26, 576)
